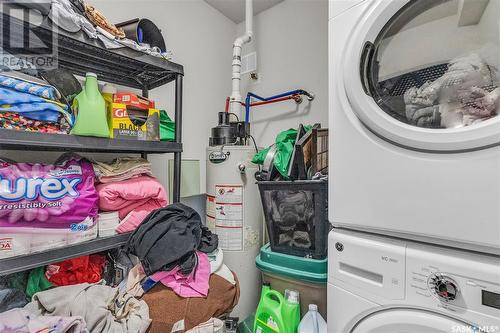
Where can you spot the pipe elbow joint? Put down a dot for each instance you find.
(242, 40)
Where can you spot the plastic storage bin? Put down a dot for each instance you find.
(296, 216)
(307, 276)
(33, 240)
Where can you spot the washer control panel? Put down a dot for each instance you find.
(443, 287)
(458, 283)
(440, 288)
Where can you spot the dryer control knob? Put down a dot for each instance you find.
(444, 287)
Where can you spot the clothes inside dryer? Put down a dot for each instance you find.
(451, 80)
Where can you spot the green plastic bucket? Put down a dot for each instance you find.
(297, 268)
(307, 276)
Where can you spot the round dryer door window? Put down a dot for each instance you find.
(410, 321)
(429, 73)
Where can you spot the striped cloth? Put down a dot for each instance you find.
(48, 92)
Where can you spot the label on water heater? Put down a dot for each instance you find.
(230, 211)
(210, 212)
(217, 157)
(229, 216)
(229, 194)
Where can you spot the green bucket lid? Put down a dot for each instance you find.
(297, 268)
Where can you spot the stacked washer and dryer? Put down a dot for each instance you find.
(415, 176)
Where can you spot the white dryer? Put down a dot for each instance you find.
(380, 285)
(415, 137)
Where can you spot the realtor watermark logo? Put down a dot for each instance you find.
(24, 43)
(474, 329)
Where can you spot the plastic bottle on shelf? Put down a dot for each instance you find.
(108, 90)
(90, 109)
(312, 321)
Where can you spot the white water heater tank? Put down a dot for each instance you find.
(234, 213)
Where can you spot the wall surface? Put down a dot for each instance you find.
(291, 40)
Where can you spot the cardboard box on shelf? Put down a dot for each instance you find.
(130, 122)
(132, 99)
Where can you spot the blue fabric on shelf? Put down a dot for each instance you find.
(32, 88)
(32, 106)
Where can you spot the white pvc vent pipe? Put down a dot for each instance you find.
(236, 99)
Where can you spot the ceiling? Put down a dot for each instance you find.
(235, 9)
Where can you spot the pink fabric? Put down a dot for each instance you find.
(192, 285)
(133, 198)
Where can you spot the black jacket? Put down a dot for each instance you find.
(169, 237)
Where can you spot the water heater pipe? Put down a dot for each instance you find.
(236, 99)
(294, 94)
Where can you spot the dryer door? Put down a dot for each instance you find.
(425, 74)
(409, 320)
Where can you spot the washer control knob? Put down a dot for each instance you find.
(445, 288)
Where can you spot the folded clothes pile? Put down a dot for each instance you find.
(14, 121)
(133, 198)
(108, 222)
(28, 84)
(74, 16)
(29, 103)
(122, 168)
(128, 187)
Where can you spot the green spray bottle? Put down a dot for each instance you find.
(275, 313)
(90, 110)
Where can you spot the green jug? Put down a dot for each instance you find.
(90, 109)
(275, 314)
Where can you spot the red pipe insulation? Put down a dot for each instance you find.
(294, 97)
(227, 105)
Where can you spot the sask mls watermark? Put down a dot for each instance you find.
(26, 42)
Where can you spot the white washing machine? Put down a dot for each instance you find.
(381, 285)
(415, 136)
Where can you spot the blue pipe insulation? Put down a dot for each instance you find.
(266, 99)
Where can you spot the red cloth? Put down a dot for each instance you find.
(79, 270)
